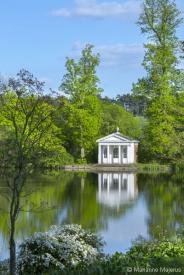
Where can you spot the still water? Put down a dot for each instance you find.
(118, 206)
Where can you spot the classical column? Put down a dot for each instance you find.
(119, 154)
(108, 154)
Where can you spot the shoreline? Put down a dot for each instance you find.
(136, 168)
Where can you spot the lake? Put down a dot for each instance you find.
(118, 206)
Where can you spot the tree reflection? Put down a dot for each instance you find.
(164, 198)
(12, 192)
(71, 198)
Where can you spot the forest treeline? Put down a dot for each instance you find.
(61, 128)
(55, 129)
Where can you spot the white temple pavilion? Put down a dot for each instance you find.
(117, 149)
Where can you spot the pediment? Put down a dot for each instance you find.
(114, 138)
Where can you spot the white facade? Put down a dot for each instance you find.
(117, 149)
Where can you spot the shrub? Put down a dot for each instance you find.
(60, 249)
(147, 254)
(143, 255)
(148, 251)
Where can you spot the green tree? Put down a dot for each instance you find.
(134, 104)
(159, 20)
(179, 127)
(27, 133)
(81, 118)
(114, 115)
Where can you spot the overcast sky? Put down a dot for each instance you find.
(39, 34)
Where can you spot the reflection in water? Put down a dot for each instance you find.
(108, 203)
(116, 189)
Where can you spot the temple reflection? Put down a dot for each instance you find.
(116, 189)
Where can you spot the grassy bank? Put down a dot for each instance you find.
(154, 168)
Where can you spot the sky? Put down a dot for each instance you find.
(38, 35)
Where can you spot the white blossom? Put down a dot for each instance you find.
(60, 248)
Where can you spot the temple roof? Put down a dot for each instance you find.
(117, 137)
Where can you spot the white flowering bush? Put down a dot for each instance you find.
(60, 249)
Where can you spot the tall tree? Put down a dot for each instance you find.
(159, 20)
(27, 132)
(82, 109)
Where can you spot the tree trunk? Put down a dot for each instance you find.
(12, 250)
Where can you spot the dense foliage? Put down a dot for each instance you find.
(132, 103)
(27, 130)
(113, 116)
(159, 21)
(81, 114)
